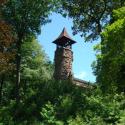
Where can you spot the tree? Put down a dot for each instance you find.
(90, 16)
(6, 40)
(6, 51)
(35, 64)
(110, 67)
(35, 68)
(26, 17)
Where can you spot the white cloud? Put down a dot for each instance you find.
(81, 75)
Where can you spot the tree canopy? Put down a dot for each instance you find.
(90, 16)
(6, 41)
(26, 17)
(110, 63)
(42, 100)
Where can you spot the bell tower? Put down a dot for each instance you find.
(63, 56)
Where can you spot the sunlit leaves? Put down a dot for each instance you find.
(35, 63)
(111, 67)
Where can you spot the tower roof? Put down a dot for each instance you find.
(64, 39)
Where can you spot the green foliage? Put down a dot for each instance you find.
(90, 17)
(77, 121)
(44, 101)
(27, 16)
(119, 13)
(111, 66)
(35, 63)
(48, 115)
(35, 67)
(59, 103)
(122, 118)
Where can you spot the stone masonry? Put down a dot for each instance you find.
(64, 58)
(63, 63)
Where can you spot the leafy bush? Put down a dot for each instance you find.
(59, 103)
(48, 115)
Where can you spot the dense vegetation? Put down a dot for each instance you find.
(28, 93)
(110, 68)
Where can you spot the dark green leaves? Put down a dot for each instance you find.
(27, 16)
(90, 16)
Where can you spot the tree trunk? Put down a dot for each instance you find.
(1, 87)
(18, 66)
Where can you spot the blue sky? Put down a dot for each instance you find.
(83, 53)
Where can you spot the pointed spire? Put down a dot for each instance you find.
(64, 33)
(64, 39)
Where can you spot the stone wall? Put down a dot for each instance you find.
(63, 63)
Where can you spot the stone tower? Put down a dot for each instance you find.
(63, 56)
